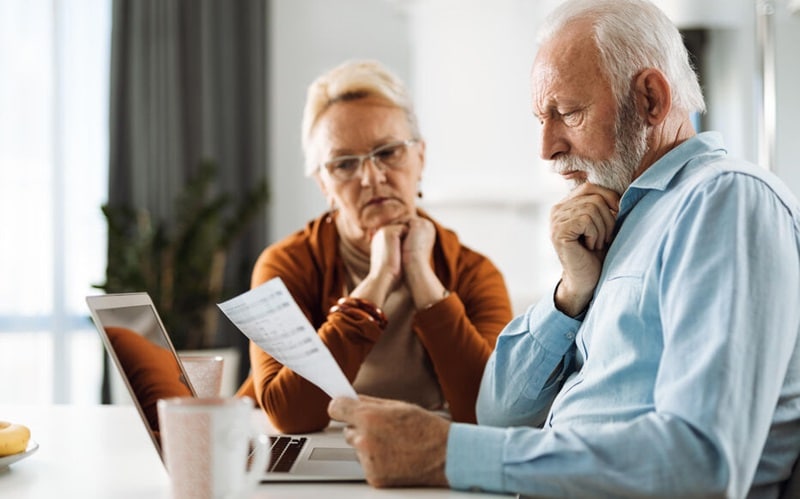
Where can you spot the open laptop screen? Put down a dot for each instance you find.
(141, 349)
(139, 346)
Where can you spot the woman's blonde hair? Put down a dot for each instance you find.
(349, 81)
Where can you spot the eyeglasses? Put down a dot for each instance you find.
(391, 156)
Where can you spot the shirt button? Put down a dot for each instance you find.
(570, 335)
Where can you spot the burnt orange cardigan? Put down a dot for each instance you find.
(458, 333)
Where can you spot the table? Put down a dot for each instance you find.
(95, 451)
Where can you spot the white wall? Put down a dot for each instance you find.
(467, 63)
(470, 61)
(787, 62)
(733, 75)
(307, 38)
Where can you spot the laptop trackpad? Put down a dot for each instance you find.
(332, 454)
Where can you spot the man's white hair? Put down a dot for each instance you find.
(633, 35)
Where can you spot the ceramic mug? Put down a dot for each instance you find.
(205, 373)
(206, 443)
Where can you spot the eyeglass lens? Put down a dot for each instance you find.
(391, 156)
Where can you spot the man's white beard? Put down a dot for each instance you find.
(615, 173)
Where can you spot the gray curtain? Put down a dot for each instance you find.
(189, 83)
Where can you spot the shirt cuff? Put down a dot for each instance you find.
(553, 329)
(475, 457)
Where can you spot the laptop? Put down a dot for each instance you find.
(150, 368)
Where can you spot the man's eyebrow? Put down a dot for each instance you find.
(545, 110)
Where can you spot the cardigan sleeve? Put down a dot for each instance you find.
(292, 403)
(459, 332)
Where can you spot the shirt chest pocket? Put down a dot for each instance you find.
(616, 312)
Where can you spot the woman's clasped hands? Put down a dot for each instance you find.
(400, 252)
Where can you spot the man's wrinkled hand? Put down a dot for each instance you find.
(581, 229)
(398, 444)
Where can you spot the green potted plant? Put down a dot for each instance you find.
(181, 264)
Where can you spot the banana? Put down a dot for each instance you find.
(13, 438)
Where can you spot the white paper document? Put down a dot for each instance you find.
(270, 317)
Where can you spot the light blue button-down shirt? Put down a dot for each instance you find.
(683, 377)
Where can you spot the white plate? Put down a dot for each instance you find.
(13, 458)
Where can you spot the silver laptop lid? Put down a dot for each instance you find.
(139, 346)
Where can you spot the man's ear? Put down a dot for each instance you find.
(653, 96)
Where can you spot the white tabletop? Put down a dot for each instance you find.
(104, 451)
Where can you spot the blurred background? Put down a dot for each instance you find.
(182, 119)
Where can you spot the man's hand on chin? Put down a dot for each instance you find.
(398, 444)
(581, 230)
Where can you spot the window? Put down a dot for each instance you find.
(53, 162)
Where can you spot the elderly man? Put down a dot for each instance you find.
(666, 361)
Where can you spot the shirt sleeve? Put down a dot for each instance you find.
(520, 379)
(730, 267)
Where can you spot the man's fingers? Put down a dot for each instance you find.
(590, 237)
(350, 434)
(611, 198)
(342, 409)
(610, 221)
(588, 219)
(601, 202)
(582, 223)
(375, 400)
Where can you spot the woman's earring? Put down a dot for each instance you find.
(419, 189)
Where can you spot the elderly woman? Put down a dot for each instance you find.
(407, 311)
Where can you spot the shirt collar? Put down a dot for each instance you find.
(659, 175)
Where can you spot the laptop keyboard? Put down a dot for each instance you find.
(284, 452)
